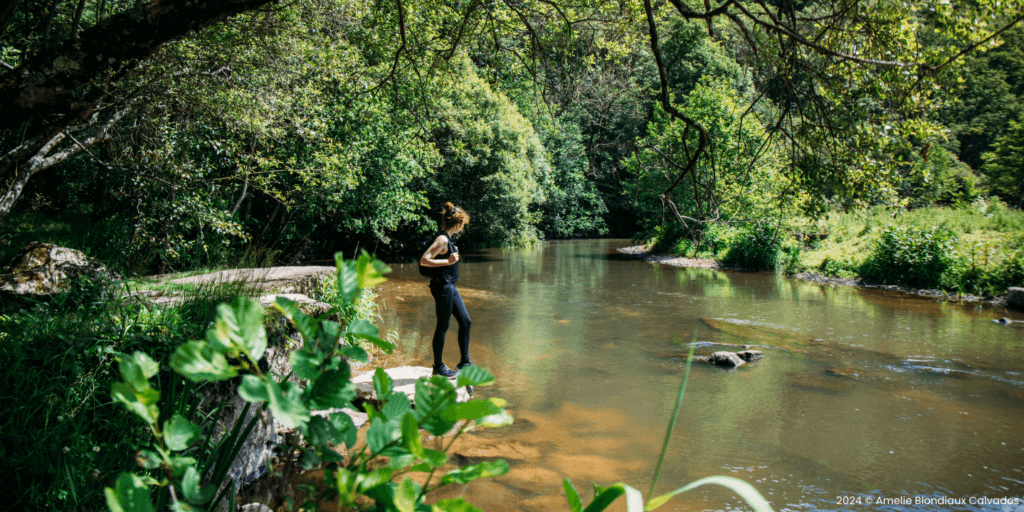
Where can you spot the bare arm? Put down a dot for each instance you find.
(429, 256)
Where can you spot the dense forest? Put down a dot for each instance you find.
(165, 136)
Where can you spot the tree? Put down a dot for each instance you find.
(59, 88)
(1004, 165)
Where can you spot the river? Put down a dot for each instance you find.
(861, 394)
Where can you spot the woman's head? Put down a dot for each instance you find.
(453, 218)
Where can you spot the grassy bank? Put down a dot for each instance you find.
(977, 249)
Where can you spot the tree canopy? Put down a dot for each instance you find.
(188, 129)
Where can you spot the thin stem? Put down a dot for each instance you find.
(672, 422)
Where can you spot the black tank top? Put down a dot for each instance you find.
(448, 274)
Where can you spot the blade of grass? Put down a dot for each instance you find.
(675, 413)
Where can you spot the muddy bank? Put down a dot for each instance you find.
(640, 252)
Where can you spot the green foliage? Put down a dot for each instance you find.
(234, 345)
(66, 437)
(494, 162)
(758, 247)
(1004, 165)
(572, 205)
(920, 258)
(729, 186)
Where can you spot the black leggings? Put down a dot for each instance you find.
(448, 302)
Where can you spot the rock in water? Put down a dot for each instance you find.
(45, 269)
(726, 359)
(750, 355)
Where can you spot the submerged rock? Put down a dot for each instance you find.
(45, 269)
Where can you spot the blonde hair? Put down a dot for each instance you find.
(452, 216)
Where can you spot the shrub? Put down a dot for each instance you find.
(922, 258)
(757, 248)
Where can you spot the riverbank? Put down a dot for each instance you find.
(641, 252)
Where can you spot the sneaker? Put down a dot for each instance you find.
(464, 364)
(444, 370)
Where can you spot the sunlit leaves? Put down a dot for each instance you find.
(472, 472)
(179, 433)
(197, 361)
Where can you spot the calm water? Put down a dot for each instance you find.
(860, 394)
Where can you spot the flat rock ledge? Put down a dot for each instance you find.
(732, 360)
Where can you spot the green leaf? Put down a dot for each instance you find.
(348, 279)
(363, 328)
(474, 409)
(345, 430)
(142, 403)
(382, 384)
(305, 364)
(467, 474)
(147, 364)
(502, 419)
(575, 505)
(303, 323)
(190, 488)
(454, 505)
(474, 376)
(355, 353)
(333, 389)
(130, 494)
(386, 346)
(179, 465)
(132, 373)
(374, 478)
(197, 362)
(605, 498)
(402, 461)
(245, 317)
(396, 408)
(411, 434)
(253, 389)
(287, 407)
(432, 398)
(380, 434)
(370, 275)
(407, 495)
(743, 489)
(434, 458)
(179, 433)
(148, 459)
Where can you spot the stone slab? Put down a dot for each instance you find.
(404, 378)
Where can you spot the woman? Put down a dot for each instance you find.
(443, 256)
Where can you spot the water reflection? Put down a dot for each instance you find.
(860, 392)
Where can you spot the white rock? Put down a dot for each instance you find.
(404, 378)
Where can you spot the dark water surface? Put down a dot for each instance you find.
(860, 395)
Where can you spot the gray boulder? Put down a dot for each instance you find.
(45, 269)
(1015, 298)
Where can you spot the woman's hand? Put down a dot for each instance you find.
(453, 258)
